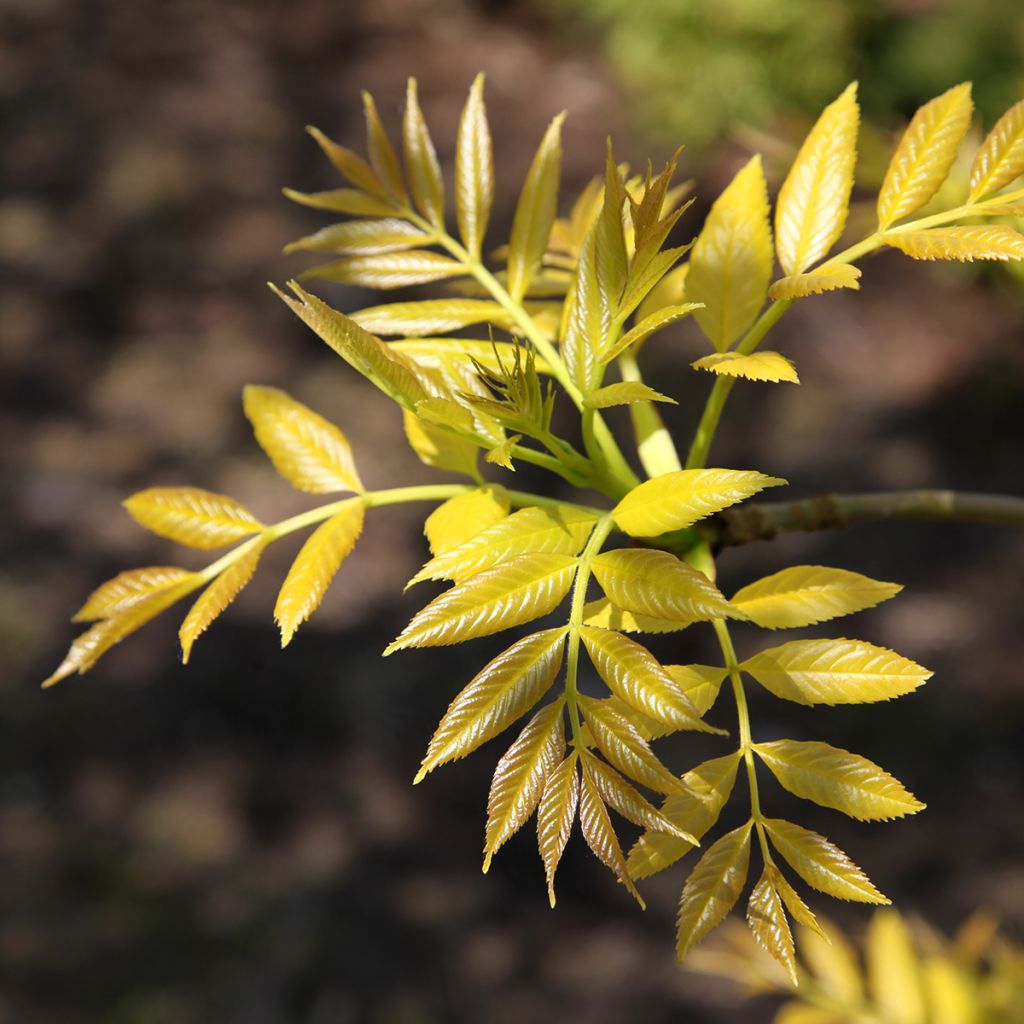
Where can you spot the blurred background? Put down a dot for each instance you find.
(239, 841)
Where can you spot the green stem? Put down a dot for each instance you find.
(654, 443)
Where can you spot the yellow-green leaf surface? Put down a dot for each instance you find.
(382, 154)
(768, 366)
(388, 269)
(799, 910)
(700, 683)
(605, 615)
(504, 690)
(618, 794)
(315, 566)
(520, 776)
(828, 278)
(821, 864)
(680, 499)
(435, 446)
(965, 244)
(713, 888)
(834, 672)
(814, 199)
(343, 200)
(351, 166)
(189, 515)
(834, 964)
(128, 588)
(731, 263)
(444, 353)
(696, 811)
(463, 517)
(506, 595)
(925, 155)
(767, 919)
(836, 778)
(634, 675)
(217, 596)
(561, 531)
(421, 166)
(669, 291)
(384, 234)
(952, 993)
(555, 815)
(625, 392)
(894, 971)
(649, 728)
(588, 317)
(535, 211)
(429, 316)
(600, 834)
(657, 584)
(1000, 159)
(803, 595)
(626, 749)
(658, 319)
(311, 453)
(387, 370)
(474, 170)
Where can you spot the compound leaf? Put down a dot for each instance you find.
(767, 919)
(814, 199)
(713, 888)
(315, 566)
(834, 672)
(925, 155)
(828, 278)
(384, 234)
(677, 500)
(605, 615)
(836, 778)
(803, 595)
(821, 864)
(128, 588)
(600, 834)
(464, 516)
(966, 244)
(769, 366)
(474, 170)
(1000, 159)
(505, 689)
(421, 166)
(555, 815)
(192, 516)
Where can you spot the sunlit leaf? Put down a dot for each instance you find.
(461, 518)
(604, 614)
(966, 244)
(799, 910)
(600, 834)
(625, 392)
(388, 269)
(421, 166)
(504, 690)
(382, 154)
(520, 776)
(827, 278)
(834, 672)
(654, 322)
(308, 451)
(444, 353)
(505, 595)
(833, 963)
(128, 588)
(713, 888)
(1000, 159)
(438, 447)
(343, 200)
(474, 170)
(822, 865)
(191, 516)
(700, 683)
(925, 155)
(894, 970)
(731, 262)
(351, 166)
(430, 316)
(767, 919)
(555, 815)
(315, 566)
(769, 366)
(803, 595)
(588, 316)
(385, 234)
(814, 199)
(677, 500)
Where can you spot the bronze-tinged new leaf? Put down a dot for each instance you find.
(619, 741)
(1000, 159)
(625, 392)
(555, 815)
(430, 316)
(821, 864)
(504, 690)
(218, 595)
(474, 170)
(836, 778)
(464, 516)
(677, 500)
(634, 675)
(511, 593)
(768, 366)
(828, 278)
(600, 834)
(700, 683)
(731, 263)
(835, 672)
(535, 212)
(803, 595)
(713, 888)
(389, 269)
(657, 584)
(814, 199)
(605, 615)
(128, 588)
(767, 919)
(425, 181)
(965, 244)
(925, 155)
(315, 566)
(695, 811)
(311, 453)
(192, 516)
(383, 159)
(520, 776)
(384, 234)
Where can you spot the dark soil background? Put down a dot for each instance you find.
(239, 841)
